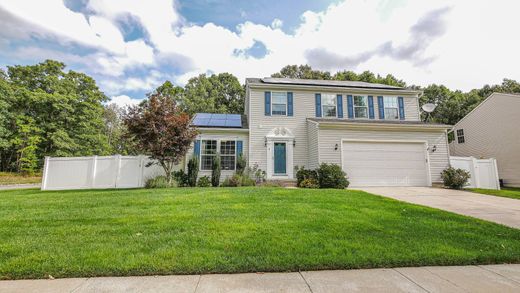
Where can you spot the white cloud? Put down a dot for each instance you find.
(123, 101)
(277, 23)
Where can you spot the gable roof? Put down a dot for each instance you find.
(317, 82)
(216, 120)
(484, 102)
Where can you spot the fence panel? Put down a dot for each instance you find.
(484, 172)
(98, 172)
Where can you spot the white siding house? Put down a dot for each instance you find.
(492, 130)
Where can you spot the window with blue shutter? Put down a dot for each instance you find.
(340, 105)
(371, 113)
(400, 100)
(290, 104)
(240, 147)
(318, 105)
(381, 106)
(196, 149)
(350, 106)
(267, 103)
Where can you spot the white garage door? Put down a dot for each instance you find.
(385, 163)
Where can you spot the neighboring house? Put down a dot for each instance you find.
(373, 131)
(492, 130)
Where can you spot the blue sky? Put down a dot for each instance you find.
(130, 47)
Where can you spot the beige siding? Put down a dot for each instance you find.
(329, 137)
(222, 135)
(312, 135)
(492, 131)
(304, 107)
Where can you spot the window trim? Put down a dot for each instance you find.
(461, 138)
(286, 104)
(366, 107)
(397, 107)
(323, 105)
(218, 140)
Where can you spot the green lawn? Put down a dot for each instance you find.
(504, 192)
(7, 178)
(205, 230)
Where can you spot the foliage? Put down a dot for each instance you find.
(160, 130)
(331, 176)
(7, 178)
(238, 180)
(204, 181)
(159, 182)
(45, 111)
(215, 171)
(241, 164)
(309, 183)
(257, 173)
(116, 131)
(302, 174)
(181, 178)
(193, 171)
(455, 178)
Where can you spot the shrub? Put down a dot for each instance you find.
(309, 183)
(238, 180)
(159, 182)
(181, 178)
(331, 176)
(193, 171)
(241, 164)
(302, 174)
(204, 181)
(257, 173)
(215, 171)
(455, 178)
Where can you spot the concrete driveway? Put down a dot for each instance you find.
(496, 209)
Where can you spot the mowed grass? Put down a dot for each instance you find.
(510, 192)
(7, 178)
(228, 230)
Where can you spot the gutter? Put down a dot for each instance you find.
(335, 88)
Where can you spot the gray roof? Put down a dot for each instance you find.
(377, 121)
(317, 82)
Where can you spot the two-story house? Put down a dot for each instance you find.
(373, 131)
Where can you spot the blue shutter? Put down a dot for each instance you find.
(289, 104)
(350, 106)
(381, 106)
(340, 106)
(401, 107)
(267, 103)
(318, 105)
(196, 149)
(371, 107)
(240, 147)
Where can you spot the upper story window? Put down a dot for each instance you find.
(279, 103)
(460, 136)
(328, 105)
(227, 154)
(360, 107)
(391, 108)
(207, 154)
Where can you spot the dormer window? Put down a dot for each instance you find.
(328, 105)
(360, 107)
(391, 108)
(279, 103)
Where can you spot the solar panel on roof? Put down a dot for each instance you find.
(217, 120)
(203, 115)
(233, 123)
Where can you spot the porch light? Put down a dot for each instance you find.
(294, 143)
(265, 142)
(434, 148)
(336, 147)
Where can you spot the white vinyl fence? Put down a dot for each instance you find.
(97, 172)
(484, 172)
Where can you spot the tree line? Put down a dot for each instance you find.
(47, 111)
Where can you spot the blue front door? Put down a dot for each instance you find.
(279, 158)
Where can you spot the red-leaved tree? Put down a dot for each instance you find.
(160, 130)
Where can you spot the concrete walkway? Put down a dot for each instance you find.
(491, 278)
(496, 209)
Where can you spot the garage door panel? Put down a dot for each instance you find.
(385, 163)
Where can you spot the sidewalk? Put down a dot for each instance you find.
(489, 278)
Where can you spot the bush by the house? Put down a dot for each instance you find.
(257, 173)
(455, 178)
(238, 180)
(331, 176)
(302, 174)
(204, 181)
(193, 171)
(215, 171)
(241, 164)
(309, 183)
(159, 182)
(181, 178)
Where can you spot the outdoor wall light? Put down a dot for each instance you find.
(265, 142)
(336, 147)
(294, 143)
(433, 149)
